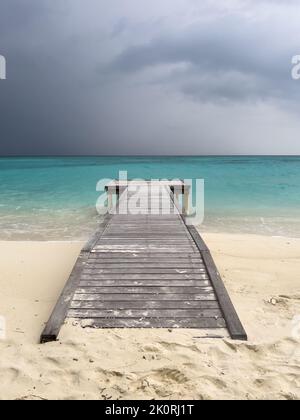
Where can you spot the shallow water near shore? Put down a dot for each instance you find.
(55, 198)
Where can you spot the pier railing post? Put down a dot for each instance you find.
(186, 200)
(109, 199)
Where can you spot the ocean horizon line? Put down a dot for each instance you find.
(24, 156)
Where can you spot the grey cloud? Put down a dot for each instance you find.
(179, 76)
(228, 59)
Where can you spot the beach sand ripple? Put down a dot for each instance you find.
(262, 276)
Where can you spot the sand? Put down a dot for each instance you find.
(262, 276)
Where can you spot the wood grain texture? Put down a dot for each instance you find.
(199, 323)
(149, 304)
(234, 325)
(60, 311)
(144, 313)
(145, 271)
(139, 296)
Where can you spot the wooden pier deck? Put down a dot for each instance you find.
(147, 270)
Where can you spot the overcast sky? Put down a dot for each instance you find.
(149, 77)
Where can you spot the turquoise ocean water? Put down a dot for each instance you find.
(54, 198)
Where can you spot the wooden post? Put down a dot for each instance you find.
(109, 199)
(177, 192)
(176, 196)
(186, 199)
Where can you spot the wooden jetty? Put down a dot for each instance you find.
(146, 270)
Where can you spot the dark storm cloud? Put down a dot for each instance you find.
(44, 101)
(224, 60)
(130, 76)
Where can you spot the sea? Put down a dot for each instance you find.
(54, 198)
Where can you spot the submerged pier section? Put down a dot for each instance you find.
(146, 269)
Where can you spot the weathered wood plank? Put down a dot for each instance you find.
(233, 322)
(234, 325)
(209, 323)
(139, 296)
(59, 313)
(152, 290)
(136, 255)
(152, 239)
(95, 238)
(189, 265)
(88, 276)
(147, 246)
(144, 313)
(170, 228)
(157, 304)
(143, 282)
(141, 249)
(92, 269)
(197, 238)
(139, 239)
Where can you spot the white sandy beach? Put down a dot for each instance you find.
(262, 276)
